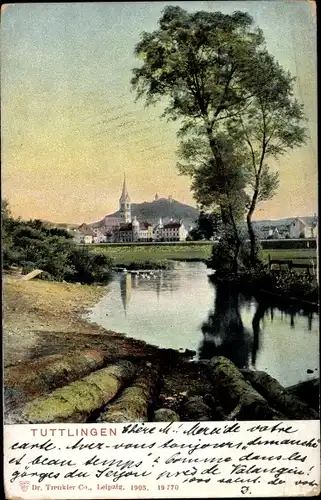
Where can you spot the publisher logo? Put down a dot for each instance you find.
(24, 485)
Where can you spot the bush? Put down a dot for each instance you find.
(222, 259)
(31, 245)
(88, 267)
(284, 283)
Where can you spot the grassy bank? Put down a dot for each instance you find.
(125, 254)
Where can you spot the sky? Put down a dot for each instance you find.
(70, 125)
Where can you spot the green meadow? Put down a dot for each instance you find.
(127, 253)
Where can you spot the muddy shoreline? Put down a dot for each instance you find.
(43, 318)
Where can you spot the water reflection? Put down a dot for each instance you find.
(156, 281)
(182, 309)
(125, 284)
(224, 333)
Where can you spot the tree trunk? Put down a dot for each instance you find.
(33, 378)
(279, 397)
(253, 256)
(239, 400)
(75, 402)
(134, 403)
(227, 213)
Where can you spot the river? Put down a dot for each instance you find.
(182, 309)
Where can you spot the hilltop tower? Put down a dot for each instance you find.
(125, 204)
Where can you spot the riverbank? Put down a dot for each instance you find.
(43, 318)
(46, 318)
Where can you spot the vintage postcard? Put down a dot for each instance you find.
(160, 249)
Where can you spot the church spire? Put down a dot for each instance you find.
(124, 194)
(125, 204)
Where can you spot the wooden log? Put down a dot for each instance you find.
(134, 402)
(217, 411)
(279, 397)
(165, 415)
(239, 400)
(34, 378)
(195, 409)
(75, 402)
(308, 392)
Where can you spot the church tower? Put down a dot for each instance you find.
(125, 204)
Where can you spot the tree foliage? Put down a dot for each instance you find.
(233, 101)
(32, 245)
(208, 225)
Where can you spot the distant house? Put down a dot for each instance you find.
(284, 230)
(84, 234)
(110, 236)
(99, 236)
(125, 233)
(145, 231)
(174, 231)
(157, 233)
(302, 227)
(273, 231)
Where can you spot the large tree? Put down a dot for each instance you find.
(215, 76)
(190, 62)
(270, 123)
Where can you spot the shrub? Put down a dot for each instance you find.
(88, 267)
(31, 245)
(285, 283)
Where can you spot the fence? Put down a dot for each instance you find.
(289, 264)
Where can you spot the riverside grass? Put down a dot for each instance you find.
(75, 402)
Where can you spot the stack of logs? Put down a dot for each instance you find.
(84, 386)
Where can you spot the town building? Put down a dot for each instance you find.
(127, 229)
(158, 231)
(145, 231)
(84, 234)
(125, 233)
(99, 236)
(302, 227)
(174, 231)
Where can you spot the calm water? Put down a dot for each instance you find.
(181, 309)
